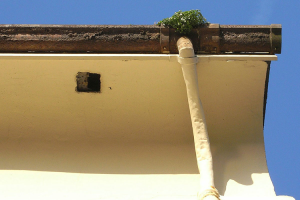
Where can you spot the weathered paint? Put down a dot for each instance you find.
(188, 62)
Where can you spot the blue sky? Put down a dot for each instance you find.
(282, 125)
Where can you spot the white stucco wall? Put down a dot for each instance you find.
(134, 139)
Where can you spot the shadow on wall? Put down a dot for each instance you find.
(96, 157)
(238, 163)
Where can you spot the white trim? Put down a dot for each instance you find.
(238, 57)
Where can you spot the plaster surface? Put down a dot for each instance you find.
(134, 138)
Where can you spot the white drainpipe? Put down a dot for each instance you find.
(188, 62)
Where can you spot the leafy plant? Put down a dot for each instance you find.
(185, 21)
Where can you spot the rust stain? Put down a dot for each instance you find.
(214, 39)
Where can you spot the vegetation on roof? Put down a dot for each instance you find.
(185, 21)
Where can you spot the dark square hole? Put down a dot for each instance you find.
(88, 82)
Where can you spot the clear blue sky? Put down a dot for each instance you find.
(282, 125)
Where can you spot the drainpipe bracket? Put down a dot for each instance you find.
(165, 40)
(209, 39)
(209, 192)
(187, 61)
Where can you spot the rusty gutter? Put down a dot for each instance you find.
(145, 39)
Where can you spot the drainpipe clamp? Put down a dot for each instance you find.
(187, 61)
(209, 192)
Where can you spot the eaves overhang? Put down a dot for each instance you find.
(143, 39)
(136, 128)
(135, 132)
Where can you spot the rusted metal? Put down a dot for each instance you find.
(165, 40)
(275, 38)
(250, 39)
(212, 39)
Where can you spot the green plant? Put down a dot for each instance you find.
(184, 21)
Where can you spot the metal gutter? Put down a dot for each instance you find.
(151, 39)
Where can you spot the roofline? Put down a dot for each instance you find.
(145, 39)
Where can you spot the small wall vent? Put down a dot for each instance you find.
(88, 82)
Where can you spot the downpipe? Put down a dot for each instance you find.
(188, 62)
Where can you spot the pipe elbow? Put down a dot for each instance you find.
(186, 52)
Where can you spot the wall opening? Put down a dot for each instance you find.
(88, 82)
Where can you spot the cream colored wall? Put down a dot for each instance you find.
(135, 138)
